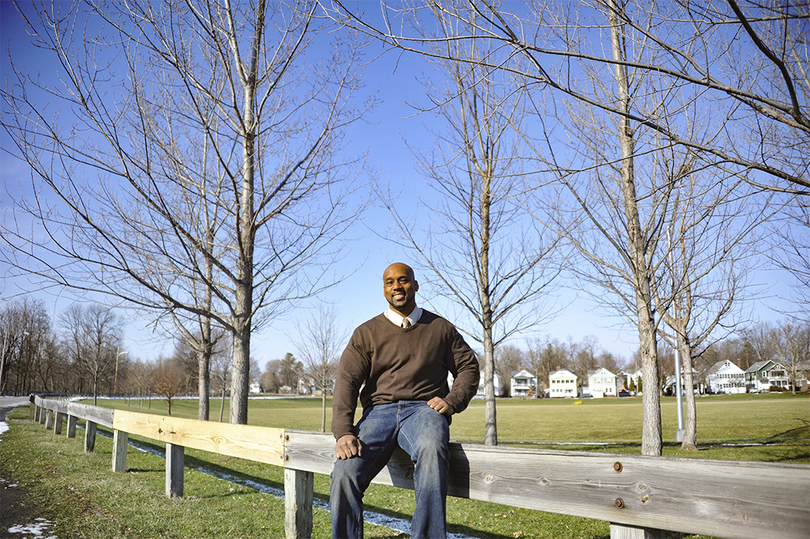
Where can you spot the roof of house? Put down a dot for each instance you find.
(760, 365)
(561, 372)
(600, 370)
(725, 364)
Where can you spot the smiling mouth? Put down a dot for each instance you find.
(399, 297)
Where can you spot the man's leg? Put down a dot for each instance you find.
(424, 434)
(350, 478)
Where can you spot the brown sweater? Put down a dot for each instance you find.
(402, 364)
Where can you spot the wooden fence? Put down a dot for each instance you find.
(640, 496)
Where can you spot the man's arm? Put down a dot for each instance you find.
(467, 375)
(353, 370)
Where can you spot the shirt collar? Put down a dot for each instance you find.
(397, 318)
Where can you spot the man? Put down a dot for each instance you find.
(397, 363)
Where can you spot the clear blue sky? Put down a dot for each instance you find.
(360, 296)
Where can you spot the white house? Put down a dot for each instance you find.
(725, 377)
(496, 382)
(522, 381)
(601, 383)
(562, 383)
(763, 375)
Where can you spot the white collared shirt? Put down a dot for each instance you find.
(397, 318)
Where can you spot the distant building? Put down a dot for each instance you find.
(496, 382)
(763, 375)
(522, 382)
(725, 377)
(601, 383)
(562, 383)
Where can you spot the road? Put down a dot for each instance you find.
(9, 403)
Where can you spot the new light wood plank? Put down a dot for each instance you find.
(119, 455)
(260, 444)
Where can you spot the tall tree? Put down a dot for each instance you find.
(482, 253)
(178, 107)
(710, 230)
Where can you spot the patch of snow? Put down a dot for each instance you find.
(37, 529)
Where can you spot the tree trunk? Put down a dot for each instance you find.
(651, 440)
(690, 424)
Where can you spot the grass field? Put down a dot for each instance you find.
(84, 499)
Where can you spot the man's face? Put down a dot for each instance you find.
(399, 288)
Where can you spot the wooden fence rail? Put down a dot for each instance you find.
(640, 496)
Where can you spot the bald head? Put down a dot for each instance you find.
(400, 287)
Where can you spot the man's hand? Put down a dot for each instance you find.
(440, 405)
(348, 446)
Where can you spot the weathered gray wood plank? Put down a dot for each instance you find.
(57, 423)
(720, 498)
(71, 426)
(89, 437)
(175, 466)
(298, 496)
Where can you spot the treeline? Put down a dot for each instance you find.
(82, 352)
(786, 342)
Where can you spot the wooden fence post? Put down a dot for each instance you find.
(621, 531)
(71, 426)
(57, 424)
(119, 456)
(89, 436)
(49, 420)
(175, 463)
(42, 414)
(298, 495)
(37, 409)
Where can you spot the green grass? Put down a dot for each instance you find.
(85, 499)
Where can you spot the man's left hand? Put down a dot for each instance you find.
(440, 405)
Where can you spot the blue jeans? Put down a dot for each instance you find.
(424, 434)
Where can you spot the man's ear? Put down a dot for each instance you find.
(415, 285)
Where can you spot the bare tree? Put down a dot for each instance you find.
(546, 356)
(710, 229)
(92, 336)
(508, 360)
(181, 107)
(26, 339)
(483, 255)
(793, 348)
(319, 346)
(748, 59)
(170, 381)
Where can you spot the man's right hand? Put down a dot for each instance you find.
(348, 446)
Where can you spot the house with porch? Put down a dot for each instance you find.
(763, 375)
(562, 383)
(523, 382)
(725, 377)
